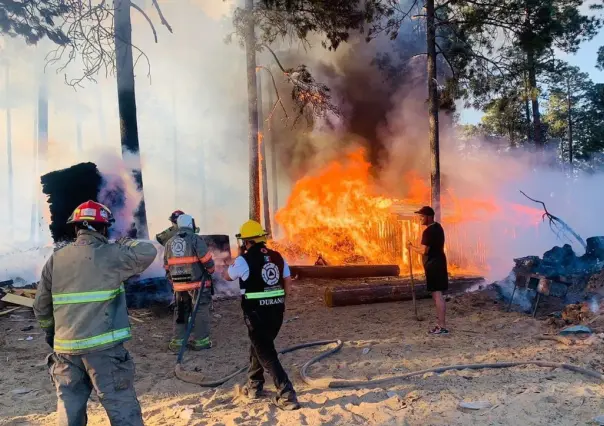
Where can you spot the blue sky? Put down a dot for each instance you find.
(585, 59)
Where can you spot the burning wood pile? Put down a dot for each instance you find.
(561, 273)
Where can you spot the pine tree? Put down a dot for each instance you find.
(34, 19)
(260, 24)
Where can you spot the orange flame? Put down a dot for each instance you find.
(333, 212)
(338, 214)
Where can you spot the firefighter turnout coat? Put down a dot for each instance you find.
(166, 234)
(81, 297)
(186, 258)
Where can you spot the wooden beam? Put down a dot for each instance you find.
(18, 300)
(388, 292)
(348, 271)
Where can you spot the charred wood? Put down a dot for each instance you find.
(348, 271)
(388, 292)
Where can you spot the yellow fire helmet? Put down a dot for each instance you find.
(252, 230)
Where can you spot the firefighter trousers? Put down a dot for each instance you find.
(264, 323)
(109, 372)
(184, 305)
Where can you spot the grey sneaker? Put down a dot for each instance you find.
(286, 404)
(251, 393)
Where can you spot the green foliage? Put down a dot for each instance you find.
(505, 116)
(556, 115)
(333, 19)
(568, 84)
(503, 123)
(33, 19)
(600, 59)
(296, 20)
(493, 45)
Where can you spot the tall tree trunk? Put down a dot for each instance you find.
(175, 145)
(42, 126)
(262, 157)
(433, 109)
(9, 153)
(527, 109)
(34, 227)
(532, 75)
(79, 140)
(42, 152)
(127, 104)
(274, 178)
(100, 114)
(570, 125)
(252, 106)
(204, 192)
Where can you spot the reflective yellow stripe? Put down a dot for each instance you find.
(46, 323)
(93, 342)
(265, 294)
(86, 297)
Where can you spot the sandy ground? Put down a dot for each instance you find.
(481, 332)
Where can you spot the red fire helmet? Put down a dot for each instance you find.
(92, 212)
(174, 216)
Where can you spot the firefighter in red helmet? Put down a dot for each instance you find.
(168, 233)
(81, 306)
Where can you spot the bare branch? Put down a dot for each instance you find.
(91, 35)
(161, 16)
(134, 6)
(556, 223)
(442, 52)
(278, 101)
(274, 56)
(306, 92)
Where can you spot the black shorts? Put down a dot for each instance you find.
(437, 276)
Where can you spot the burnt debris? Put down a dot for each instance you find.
(561, 264)
(560, 272)
(66, 189)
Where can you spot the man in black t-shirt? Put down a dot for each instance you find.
(432, 250)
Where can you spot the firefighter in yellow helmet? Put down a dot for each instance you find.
(81, 306)
(264, 280)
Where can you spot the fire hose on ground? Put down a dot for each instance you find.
(331, 383)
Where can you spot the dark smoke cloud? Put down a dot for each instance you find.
(381, 90)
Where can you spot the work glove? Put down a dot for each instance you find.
(50, 339)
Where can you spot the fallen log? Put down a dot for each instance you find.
(388, 292)
(348, 271)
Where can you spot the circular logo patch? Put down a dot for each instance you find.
(178, 247)
(270, 274)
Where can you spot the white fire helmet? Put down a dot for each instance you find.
(185, 221)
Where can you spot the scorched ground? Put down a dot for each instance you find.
(481, 332)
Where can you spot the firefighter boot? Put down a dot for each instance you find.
(251, 392)
(175, 345)
(200, 344)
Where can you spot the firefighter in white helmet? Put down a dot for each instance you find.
(189, 264)
(81, 306)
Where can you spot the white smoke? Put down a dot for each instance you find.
(118, 190)
(192, 121)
